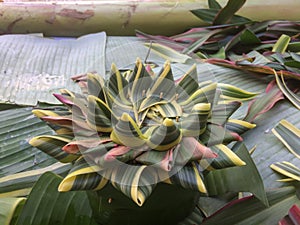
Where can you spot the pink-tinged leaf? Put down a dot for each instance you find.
(80, 77)
(81, 80)
(166, 41)
(63, 99)
(236, 136)
(190, 149)
(62, 121)
(76, 146)
(293, 217)
(262, 69)
(263, 103)
(115, 152)
(168, 161)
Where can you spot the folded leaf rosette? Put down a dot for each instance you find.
(138, 128)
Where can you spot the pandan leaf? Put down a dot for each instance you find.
(287, 169)
(136, 182)
(194, 123)
(10, 209)
(282, 44)
(127, 132)
(161, 159)
(99, 115)
(191, 149)
(222, 181)
(221, 112)
(233, 93)
(45, 205)
(20, 184)
(226, 158)
(165, 136)
(293, 217)
(289, 135)
(169, 110)
(84, 176)
(190, 177)
(168, 53)
(215, 134)
(188, 84)
(205, 94)
(249, 210)
(288, 93)
(52, 145)
(239, 126)
(225, 14)
(96, 86)
(163, 85)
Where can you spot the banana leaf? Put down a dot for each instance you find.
(45, 205)
(32, 67)
(10, 209)
(17, 127)
(249, 210)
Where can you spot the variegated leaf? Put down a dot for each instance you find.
(289, 135)
(52, 145)
(239, 126)
(232, 93)
(136, 182)
(84, 176)
(287, 169)
(226, 158)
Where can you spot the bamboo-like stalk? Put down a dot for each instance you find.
(75, 18)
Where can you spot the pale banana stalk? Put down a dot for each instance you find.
(75, 18)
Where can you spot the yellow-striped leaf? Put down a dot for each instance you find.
(136, 182)
(289, 135)
(232, 93)
(52, 145)
(127, 132)
(287, 169)
(226, 158)
(84, 176)
(96, 86)
(168, 53)
(239, 126)
(165, 136)
(99, 114)
(190, 177)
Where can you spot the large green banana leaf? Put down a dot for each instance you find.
(54, 207)
(123, 51)
(33, 67)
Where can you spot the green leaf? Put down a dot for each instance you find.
(248, 37)
(288, 93)
(190, 177)
(213, 4)
(250, 210)
(20, 184)
(225, 14)
(136, 182)
(45, 205)
(168, 53)
(222, 180)
(52, 145)
(289, 135)
(17, 127)
(263, 103)
(10, 209)
(287, 169)
(99, 114)
(84, 176)
(282, 44)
